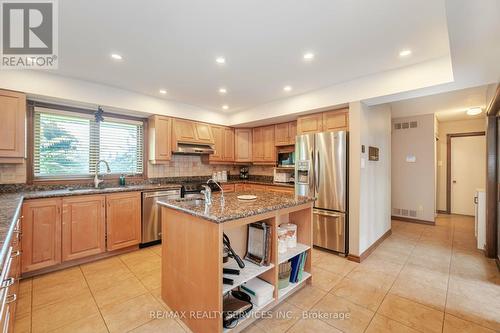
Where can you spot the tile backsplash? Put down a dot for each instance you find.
(12, 173)
(187, 165)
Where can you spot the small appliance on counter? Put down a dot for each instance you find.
(283, 175)
(244, 173)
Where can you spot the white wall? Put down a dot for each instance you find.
(414, 184)
(369, 186)
(54, 88)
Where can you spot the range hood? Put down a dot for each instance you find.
(194, 149)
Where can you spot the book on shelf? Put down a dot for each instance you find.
(297, 264)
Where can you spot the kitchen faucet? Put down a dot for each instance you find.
(208, 193)
(97, 181)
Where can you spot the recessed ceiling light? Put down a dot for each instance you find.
(404, 53)
(163, 91)
(474, 111)
(222, 90)
(308, 56)
(220, 60)
(287, 88)
(225, 107)
(116, 56)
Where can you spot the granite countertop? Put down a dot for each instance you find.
(258, 182)
(235, 208)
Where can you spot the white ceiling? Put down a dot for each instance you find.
(448, 106)
(173, 45)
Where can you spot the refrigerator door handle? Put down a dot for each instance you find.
(317, 169)
(326, 213)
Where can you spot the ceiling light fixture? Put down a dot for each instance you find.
(309, 56)
(163, 91)
(404, 53)
(222, 90)
(225, 107)
(287, 88)
(220, 60)
(116, 56)
(474, 111)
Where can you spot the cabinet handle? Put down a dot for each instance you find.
(11, 298)
(16, 254)
(8, 282)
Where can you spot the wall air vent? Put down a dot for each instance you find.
(404, 212)
(405, 125)
(413, 213)
(397, 126)
(413, 124)
(396, 211)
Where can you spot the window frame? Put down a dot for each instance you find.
(30, 170)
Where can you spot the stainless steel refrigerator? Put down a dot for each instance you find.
(321, 162)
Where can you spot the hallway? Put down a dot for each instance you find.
(421, 279)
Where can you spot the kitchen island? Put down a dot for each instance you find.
(192, 252)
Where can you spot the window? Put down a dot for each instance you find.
(69, 144)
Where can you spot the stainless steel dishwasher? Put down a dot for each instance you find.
(151, 214)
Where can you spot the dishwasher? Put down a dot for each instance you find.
(151, 214)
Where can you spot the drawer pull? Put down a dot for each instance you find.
(17, 230)
(11, 298)
(16, 254)
(8, 282)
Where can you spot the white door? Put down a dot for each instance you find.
(468, 172)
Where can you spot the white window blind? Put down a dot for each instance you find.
(68, 144)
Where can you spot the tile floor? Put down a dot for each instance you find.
(420, 279)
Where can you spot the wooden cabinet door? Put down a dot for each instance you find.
(336, 120)
(123, 220)
(219, 147)
(12, 126)
(83, 226)
(228, 188)
(184, 130)
(203, 133)
(160, 139)
(228, 155)
(281, 135)
(247, 187)
(257, 145)
(239, 187)
(243, 145)
(292, 132)
(268, 147)
(281, 189)
(310, 124)
(41, 241)
(257, 187)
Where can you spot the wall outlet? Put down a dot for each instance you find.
(411, 158)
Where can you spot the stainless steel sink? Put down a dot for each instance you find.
(195, 202)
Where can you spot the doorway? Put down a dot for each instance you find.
(466, 171)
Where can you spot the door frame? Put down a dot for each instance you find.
(448, 163)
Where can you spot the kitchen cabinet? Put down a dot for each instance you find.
(83, 226)
(335, 120)
(160, 139)
(239, 187)
(285, 133)
(12, 127)
(228, 188)
(187, 131)
(123, 220)
(243, 145)
(264, 150)
(41, 241)
(224, 144)
(281, 189)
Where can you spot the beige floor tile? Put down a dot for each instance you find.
(56, 278)
(335, 264)
(277, 324)
(123, 316)
(142, 267)
(381, 266)
(22, 324)
(453, 324)
(152, 279)
(481, 312)
(424, 286)
(306, 297)
(344, 315)
(360, 293)
(53, 293)
(473, 265)
(103, 265)
(103, 278)
(390, 255)
(312, 326)
(159, 325)
(156, 249)
(414, 315)
(137, 256)
(382, 324)
(157, 295)
(53, 316)
(254, 328)
(91, 324)
(375, 278)
(119, 291)
(324, 280)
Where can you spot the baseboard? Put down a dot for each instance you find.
(441, 211)
(81, 261)
(412, 220)
(497, 260)
(369, 250)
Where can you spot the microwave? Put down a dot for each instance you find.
(286, 157)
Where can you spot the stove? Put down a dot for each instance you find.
(193, 189)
